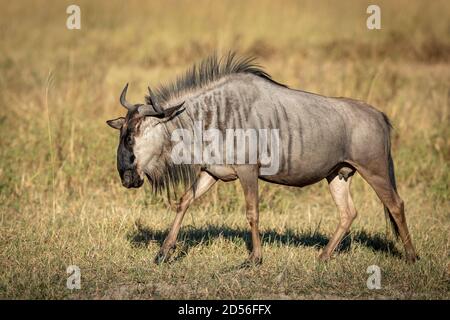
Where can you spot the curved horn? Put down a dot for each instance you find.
(154, 102)
(147, 110)
(123, 100)
(172, 110)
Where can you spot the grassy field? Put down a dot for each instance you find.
(61, 200)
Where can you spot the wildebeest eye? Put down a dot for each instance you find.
(129, 141)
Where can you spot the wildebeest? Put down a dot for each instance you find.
(320, 138)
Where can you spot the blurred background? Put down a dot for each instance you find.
(61, 201)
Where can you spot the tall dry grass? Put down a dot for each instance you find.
(61, 201)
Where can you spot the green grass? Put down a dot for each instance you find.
(61, 201)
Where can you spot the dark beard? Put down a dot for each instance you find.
(169, 177)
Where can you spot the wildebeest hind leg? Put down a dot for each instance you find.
(340, 190)
(204, 182)
(379, 180)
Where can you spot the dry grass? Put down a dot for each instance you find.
(61, 202)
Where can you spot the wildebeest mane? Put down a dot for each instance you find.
(213, 68)
(207, 71)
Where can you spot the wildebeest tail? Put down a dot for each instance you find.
(387, 213)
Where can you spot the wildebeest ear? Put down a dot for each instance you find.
(116, 123)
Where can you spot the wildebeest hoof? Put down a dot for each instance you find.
(162, 257)
(324, 257)
(251, 262)
(412, 258)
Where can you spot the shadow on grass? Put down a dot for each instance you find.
(191, 237)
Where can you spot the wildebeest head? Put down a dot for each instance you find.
(139, 148)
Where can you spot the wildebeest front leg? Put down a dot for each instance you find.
(203, 184)
(248, 176)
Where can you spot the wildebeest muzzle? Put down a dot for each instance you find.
(131, 179)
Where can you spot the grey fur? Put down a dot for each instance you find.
(320, 138)
(316, 131)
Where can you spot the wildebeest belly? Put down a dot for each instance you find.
(307, 167)
(313, 141)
